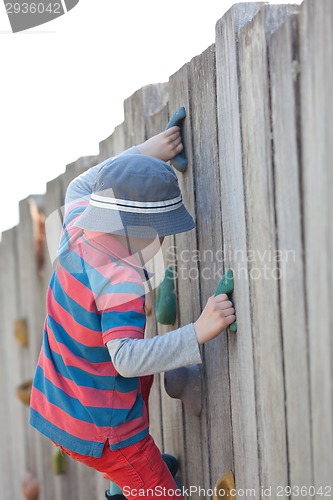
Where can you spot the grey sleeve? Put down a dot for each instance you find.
(82, 186)
(139, 357)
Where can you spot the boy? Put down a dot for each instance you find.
(95, 369)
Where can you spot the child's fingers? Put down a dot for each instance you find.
(176, 142)
(174, 137)
(178, 148)
(230, 319)
(228, 312)
(225, 305)
(171, 131)
(222, 297)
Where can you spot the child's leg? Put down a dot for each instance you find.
(135, 468)
(144, 460)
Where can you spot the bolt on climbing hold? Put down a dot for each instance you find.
(225, 487)
(179, 162)
(185, 384)
(226, 285)
(21, 331)
(59, 462)
(23, 392)
(166, 305)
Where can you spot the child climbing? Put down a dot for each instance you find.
(95, 369)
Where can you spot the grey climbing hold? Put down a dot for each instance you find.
(185, 384)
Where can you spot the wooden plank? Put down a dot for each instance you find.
(155, 124)
(114, 144)
(4, 443)
(172, 414)
(316, 59)
(284, 56)
(209, 230)
(144, 102)
(261, 231)
(31, 306)
(171, 409)
(241, 367)
(78, 167)
(195, 431)
(54, 201)
(13, 462)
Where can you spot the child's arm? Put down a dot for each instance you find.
(164, 146)
(139, 357)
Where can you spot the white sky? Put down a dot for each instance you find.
(63, 84)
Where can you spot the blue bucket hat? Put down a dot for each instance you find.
(138, 196)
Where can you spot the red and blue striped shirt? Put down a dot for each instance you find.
(95, 294)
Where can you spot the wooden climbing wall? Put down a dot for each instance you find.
(259, 185)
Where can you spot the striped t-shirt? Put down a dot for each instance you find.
(96, 294)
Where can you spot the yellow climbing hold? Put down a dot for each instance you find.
(225, 487)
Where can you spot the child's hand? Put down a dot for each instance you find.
(164, 146)
(217, 315)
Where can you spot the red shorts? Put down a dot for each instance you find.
(138, 470)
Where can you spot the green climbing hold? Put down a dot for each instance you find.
(226, 285)
(166, 307)
(59, 462)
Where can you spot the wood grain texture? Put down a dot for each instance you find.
(316, 60)
(209, 224)
(77, 167)
(284, 75)
(31, 306)
(241, 362)
(137, 108)
(261, 244)
(155, 124)
(171, 409)
(54, 203)
(12, 413)
(259, 181)
(184, 256)
(114, 144)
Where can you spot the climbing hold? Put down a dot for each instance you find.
(21, 332)
(171, 462)
(30, 486)
(166, 306)
(225, 487)
(185, 384)
(226, 285)
(179, 162)
(23, 392)
(59, 462)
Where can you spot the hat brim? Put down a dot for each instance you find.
(133, 224)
